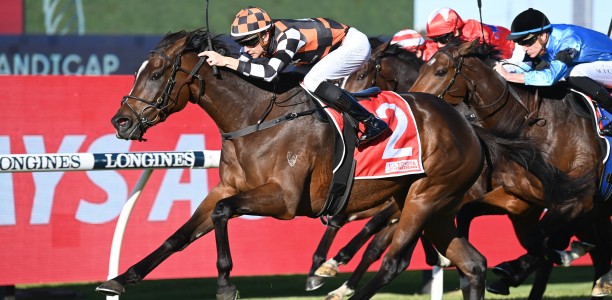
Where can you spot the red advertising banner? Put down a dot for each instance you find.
(58, 226)
(11, 17)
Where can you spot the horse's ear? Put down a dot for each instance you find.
(467, 47)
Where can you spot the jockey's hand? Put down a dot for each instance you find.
(215, 59)
(499, 67)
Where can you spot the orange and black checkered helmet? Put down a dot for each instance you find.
(249, 21)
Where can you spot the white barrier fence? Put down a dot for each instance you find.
(59, 162)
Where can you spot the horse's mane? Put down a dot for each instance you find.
(402, 54)
(488, 53)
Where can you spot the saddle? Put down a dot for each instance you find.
(344, 165)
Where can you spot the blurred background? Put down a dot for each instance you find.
(141, 23)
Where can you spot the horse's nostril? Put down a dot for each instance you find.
(123, 122)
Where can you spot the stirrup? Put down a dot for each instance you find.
(373, 131)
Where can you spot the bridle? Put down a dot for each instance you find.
(164, 100)
(472, 90)
(377, 73)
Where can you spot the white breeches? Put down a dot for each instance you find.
(600, 71)
(346, 59)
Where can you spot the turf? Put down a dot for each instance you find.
(566, 283)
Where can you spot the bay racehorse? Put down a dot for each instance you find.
(285, 171)
(462, 73)
(389, 68)
(394, 63)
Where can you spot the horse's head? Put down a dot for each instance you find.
(165, 82)
(389, 68)
(452, 72)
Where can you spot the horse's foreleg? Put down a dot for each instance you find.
(313, 281)
(373, 226)
(198, 225)
(373, 252)
(470, 263)
(266, 200)
(413, 217)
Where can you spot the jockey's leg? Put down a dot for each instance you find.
(343, 101)
(597, 92)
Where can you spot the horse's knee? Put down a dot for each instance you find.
(221, 213)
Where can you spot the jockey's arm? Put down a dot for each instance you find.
(216, 59)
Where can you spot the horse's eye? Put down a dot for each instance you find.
(441, 72)
(361, 76)
(156, 76)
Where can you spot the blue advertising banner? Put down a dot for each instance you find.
(73, 55)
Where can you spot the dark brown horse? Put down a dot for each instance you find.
(389, 68)
(462, 73)
(285, 171)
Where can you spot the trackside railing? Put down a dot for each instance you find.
(148, 161)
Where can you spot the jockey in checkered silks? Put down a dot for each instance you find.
(333, 50)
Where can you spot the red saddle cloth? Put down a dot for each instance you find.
(397, 155)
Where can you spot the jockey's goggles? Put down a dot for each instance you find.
(250, 42)
(443, 39)
(527, 42)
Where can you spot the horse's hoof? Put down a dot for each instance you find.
(504, 270)
(327, 270)
(313, 283)
(230, 294)
(111, 288)
(499, 287)
(333, 296)
(603, 286)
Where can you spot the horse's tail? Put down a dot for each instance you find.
(558, 187)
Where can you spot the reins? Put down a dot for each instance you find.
(532, 115)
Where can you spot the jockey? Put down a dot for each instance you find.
(334, 51)
(582, 55)
(444, 24)
(412, 41)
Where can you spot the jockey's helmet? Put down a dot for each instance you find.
(248, 22)
(443, 21)
(528, 24)
(408, 39)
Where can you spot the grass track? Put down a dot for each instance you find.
(566, 284)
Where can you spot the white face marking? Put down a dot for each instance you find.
(431, 61)
(142, 67)
(291, 158)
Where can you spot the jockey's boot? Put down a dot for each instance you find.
(597, 92)
(343, 101)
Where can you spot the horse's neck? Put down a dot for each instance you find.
(233, 103)
(499, 103)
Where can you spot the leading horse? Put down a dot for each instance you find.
(462, 73)
(285, 171)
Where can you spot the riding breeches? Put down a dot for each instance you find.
(600, 71)
(346, 59)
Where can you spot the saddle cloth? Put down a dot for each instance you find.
(398, 154)
(602, 118)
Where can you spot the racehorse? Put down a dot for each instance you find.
(462, 72)
(389, 68)
(285, 170)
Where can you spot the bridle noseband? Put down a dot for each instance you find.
(164, 100)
